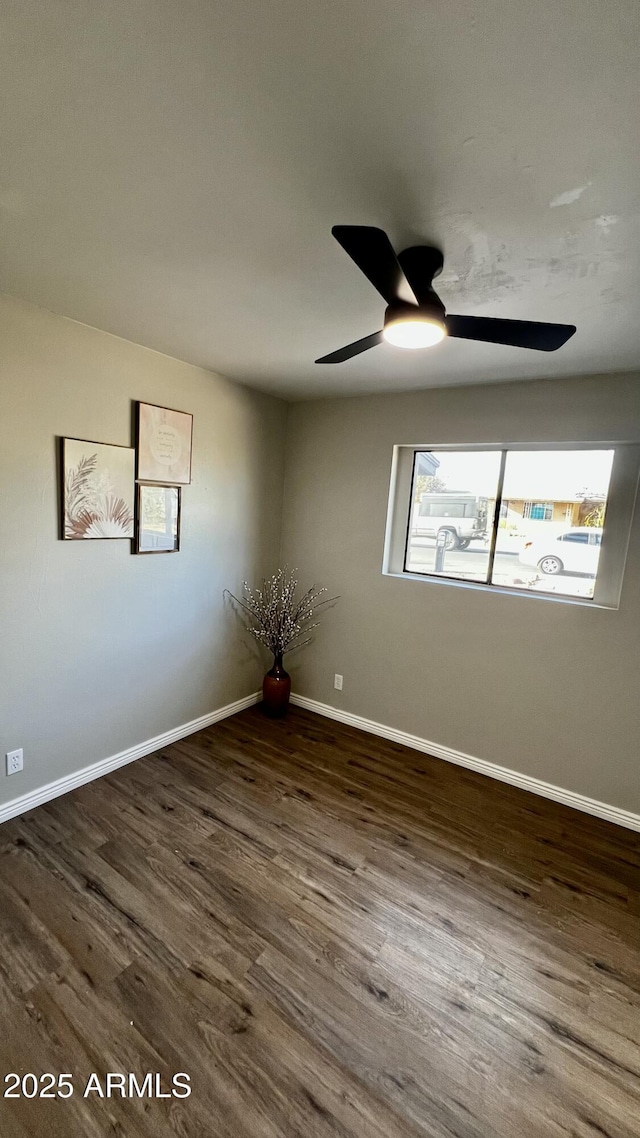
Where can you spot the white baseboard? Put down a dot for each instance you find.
(503, 774)
(103, 766)
(95, 770)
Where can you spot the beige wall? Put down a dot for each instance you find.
(548, 689)
(100, 649)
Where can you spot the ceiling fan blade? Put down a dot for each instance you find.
(515, 333)
(373, 253)
(351, 350)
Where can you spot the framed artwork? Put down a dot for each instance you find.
(164, 444)
(158, 519)
(98, 488)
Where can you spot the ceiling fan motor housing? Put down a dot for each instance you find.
(430, 308)
(421, 262)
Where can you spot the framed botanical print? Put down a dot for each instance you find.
(158, 519)
(98, 486)
(164, 444)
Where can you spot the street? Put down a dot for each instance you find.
(471, 565)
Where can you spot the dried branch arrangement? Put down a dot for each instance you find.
(275, 616)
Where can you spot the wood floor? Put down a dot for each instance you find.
(334, 936)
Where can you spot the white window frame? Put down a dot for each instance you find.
(621, 499)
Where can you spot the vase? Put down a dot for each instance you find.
(276, 689)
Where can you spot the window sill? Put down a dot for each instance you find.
(583, 602)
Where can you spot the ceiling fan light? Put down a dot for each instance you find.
(416, 332)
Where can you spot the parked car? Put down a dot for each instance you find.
(461, 518)
(572, 551)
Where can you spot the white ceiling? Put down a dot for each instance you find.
(171, 170)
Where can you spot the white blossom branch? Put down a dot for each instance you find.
(275, 617)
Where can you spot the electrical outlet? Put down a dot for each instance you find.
(15, 761)
(337, 682)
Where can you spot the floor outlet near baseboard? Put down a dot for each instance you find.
(337, 682)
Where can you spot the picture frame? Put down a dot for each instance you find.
(97, 482)
(158, 518)
(164, 444)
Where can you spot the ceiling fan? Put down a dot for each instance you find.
(423, 322)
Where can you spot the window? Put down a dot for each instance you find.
(577, 538)
(450, 510)
(523, 519)
(538, 511)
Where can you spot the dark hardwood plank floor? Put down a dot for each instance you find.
(334, 936)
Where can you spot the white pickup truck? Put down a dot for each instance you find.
(462, 518)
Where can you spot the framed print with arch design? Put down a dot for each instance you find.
(164, 445)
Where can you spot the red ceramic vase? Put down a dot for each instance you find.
(276, 689)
